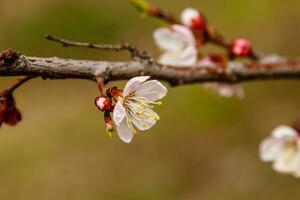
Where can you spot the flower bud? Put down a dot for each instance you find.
(193, 19)
(103, 103)
(109, 129)
(9, 113)
(12, 116)
(2, 111)
(241, 47)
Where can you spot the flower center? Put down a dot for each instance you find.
(140, 109)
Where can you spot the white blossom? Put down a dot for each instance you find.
(283, 149)
(223, 89)
(134, 107)
(178, 44)
(227, 90)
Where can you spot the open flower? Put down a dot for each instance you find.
(134, 106)
(283, 149)
(178, 44)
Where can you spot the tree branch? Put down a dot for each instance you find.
(13, 63)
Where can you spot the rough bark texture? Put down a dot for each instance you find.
(13, 63)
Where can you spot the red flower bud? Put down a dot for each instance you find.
(241, 47)
(103, 103)
(2, 110)
(12, 116)
(9, 113)
(199, 23)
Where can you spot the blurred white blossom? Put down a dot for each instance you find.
(227, 90)
(283, 149)
(178, 44)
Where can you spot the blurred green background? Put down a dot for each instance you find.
(204, 147)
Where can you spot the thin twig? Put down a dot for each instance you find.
(20, 81)
(135, 53)
(101, 86)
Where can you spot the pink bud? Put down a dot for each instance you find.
(241, 47)
(103, 103)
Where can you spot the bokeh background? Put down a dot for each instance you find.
(204, 147)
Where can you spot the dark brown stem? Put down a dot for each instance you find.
(20, 81)
(161, 14)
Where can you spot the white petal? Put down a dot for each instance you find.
(119, 112)
(270, 149)
(296, 171)
(124, 131)
(187, 57)
(175, 38)
(152, 90)
(207, 63)
(285, 132)
(185, 33)
(143, 121)
(188, 15)
(286, 162)
(133, 84)
(171, 58)
(167, 39)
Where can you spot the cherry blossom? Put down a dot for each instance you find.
(178, 44)
(283, 149)
(227, 90)
(134, 106)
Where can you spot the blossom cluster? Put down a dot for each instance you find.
(181, 44)
(133, 108)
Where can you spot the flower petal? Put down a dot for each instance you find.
(270, 149)
(296, 171)
(124, 131)
(175, 38)
(287, 161)
(188, 15)
(187, 57)
(119, 112)
(133, 84)
(152, 90)
(284, 132)
(185, 33)
(146, 120)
